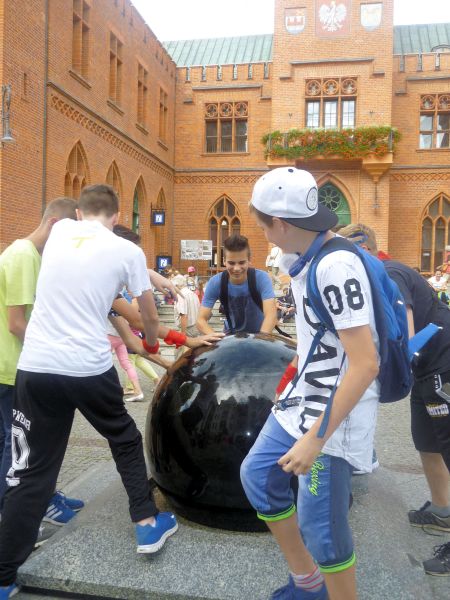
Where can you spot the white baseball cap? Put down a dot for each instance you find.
(291, 194)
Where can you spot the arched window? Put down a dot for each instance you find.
(76, 172)
(113, 179)
(223, 222)
(334, 199)
(435, 233)
(138, 202)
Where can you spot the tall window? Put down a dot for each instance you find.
(115, 68)
(135, 224)
(435, 233)
(226, 127)
(223, 222)
(334, 199)
(331, 103)
(113, 179)
(434, 121)
(163, 110)
(142, 96)
(80, 38)
(76, 172)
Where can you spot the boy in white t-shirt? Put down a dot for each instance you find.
(285, 205)
(66, 364)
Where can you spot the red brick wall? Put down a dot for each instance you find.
(21, 162)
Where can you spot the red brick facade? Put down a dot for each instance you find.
(97, 98)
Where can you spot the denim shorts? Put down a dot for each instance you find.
(322, 502)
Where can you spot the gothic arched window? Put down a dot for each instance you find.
(138, 202)
(435, 233)
(334, 199)
(223, 221)
(76, 172)
(113, 179)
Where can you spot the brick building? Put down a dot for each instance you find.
(178, 126)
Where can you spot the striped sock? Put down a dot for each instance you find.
(310, 582)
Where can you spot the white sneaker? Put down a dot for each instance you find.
(137, 398)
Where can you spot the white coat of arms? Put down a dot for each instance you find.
(371, 15)
(295, 20)
(332, 16)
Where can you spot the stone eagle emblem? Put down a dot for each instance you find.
(332, 16)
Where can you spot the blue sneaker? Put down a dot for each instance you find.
(58, 513)
(72, 503)
(291, 592)
(151, 539)
(9, 591)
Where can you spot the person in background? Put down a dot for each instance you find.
(438, 281)
(192, 279)
(273, 263)
(186, 307)
(430, 402)
(286, 306)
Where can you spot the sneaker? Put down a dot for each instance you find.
(58, 512)
(9, 591)
(426, 518)
(136, 398)
(73, 503)
(291, 592)
(43, 536)
(440, 564)
(151, 539)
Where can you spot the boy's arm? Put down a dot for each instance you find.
(17, 322)
(270, 315)
(202, 320)
(134, 318)
(183, 323)
(362, 370)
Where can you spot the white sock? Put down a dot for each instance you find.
(310, 582)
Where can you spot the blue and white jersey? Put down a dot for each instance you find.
(345, 290)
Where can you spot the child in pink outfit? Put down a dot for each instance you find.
(120, 349)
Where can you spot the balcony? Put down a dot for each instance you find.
(372, 146)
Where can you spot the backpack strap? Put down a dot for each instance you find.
(318, 307)
(223, 297)
(253, 289)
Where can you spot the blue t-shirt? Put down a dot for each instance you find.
(244, 313)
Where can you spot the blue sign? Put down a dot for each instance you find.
(158, 217)
(163, 262)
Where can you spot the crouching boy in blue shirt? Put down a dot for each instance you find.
(285, 205)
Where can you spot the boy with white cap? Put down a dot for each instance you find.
(285, 205)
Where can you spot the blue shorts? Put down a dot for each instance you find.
(323, 496)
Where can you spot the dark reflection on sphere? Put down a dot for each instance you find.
(206, 415)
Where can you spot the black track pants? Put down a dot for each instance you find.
(44, 407)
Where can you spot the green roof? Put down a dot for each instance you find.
(408, 39)
(416, 39)
(221, 51)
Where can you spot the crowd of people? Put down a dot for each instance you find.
(78, 288)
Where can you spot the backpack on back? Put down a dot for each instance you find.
(395, 375)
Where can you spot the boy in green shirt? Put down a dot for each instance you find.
(19, 270)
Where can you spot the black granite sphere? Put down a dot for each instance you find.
(205, 416)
